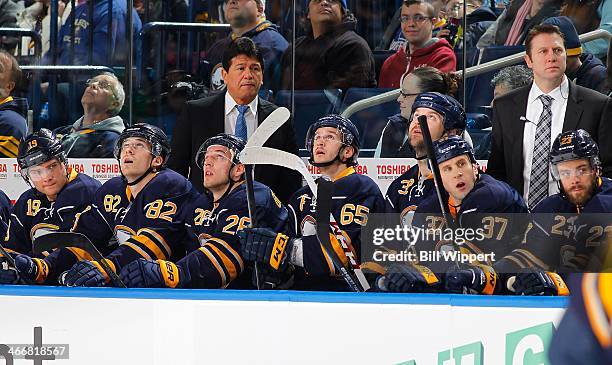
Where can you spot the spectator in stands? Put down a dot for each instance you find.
(13, 110)
(417, 18)
(510, 78)
(588, 16)
(248, 19)
(507, 79)
(95, 134)
(518, 18)
(527, 119)
(331, 55)
(8, 19)
(582, 68)
(394, 139)
(101, 53)
(479, 17)
(237, 111)
(37, 18)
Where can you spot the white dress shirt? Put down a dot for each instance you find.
(534, 110)
(231, 115)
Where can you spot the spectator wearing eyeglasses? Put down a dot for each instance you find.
(421, 49)
(94, 134)
(394, 141)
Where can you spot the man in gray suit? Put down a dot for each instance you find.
(526, 120)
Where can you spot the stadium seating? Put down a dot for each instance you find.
(310, 105)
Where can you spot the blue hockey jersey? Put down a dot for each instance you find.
(494, 210)
(215, 260)
(150, 225)
(34, 215)
(559, 229)
(406, 192)
(355, 197)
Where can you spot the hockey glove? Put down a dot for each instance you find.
(34, 269)
(476, 279)
(408, 278)
(86, 273)
(8, 274)
(266, 246)
(532, 281)
(151, 274)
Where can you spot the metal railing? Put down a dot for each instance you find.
(469, 72)
(22, 33)
(163, 28)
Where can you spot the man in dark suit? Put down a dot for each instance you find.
(237, 111)
(526, 120)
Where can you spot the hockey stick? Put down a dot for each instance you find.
(435, 170)
(271, 156)
(54, 240)
(248, 171)
(25, 280)
(264, 131)
(271, 124)
(325, 190)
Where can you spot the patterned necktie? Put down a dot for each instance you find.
(241, 126)
(538, 184)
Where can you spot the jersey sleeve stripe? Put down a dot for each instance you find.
(338, 249)
(138, 250)
(215, 263)
(595, 310)
(156, 237)
(80, 253)
(51, 227)
(516, 261)
(9, 251)
(227, 262)
(328, 260)
(531, 258)
(150, 245)
(8, 146)
(229, 248)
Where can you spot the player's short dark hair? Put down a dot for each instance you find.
(430, 8)
(541, 29)
(15, 70)
(242, 46)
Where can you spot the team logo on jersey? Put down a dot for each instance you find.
(407, 215)
(216, 79)
(308, 226)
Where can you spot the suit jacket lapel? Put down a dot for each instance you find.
(520, 101)
(573, 111)
(217, 125)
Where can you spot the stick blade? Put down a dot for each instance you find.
(53, 240)
(271, 124)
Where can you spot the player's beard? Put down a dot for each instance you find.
(419, 147)
(584, 196)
